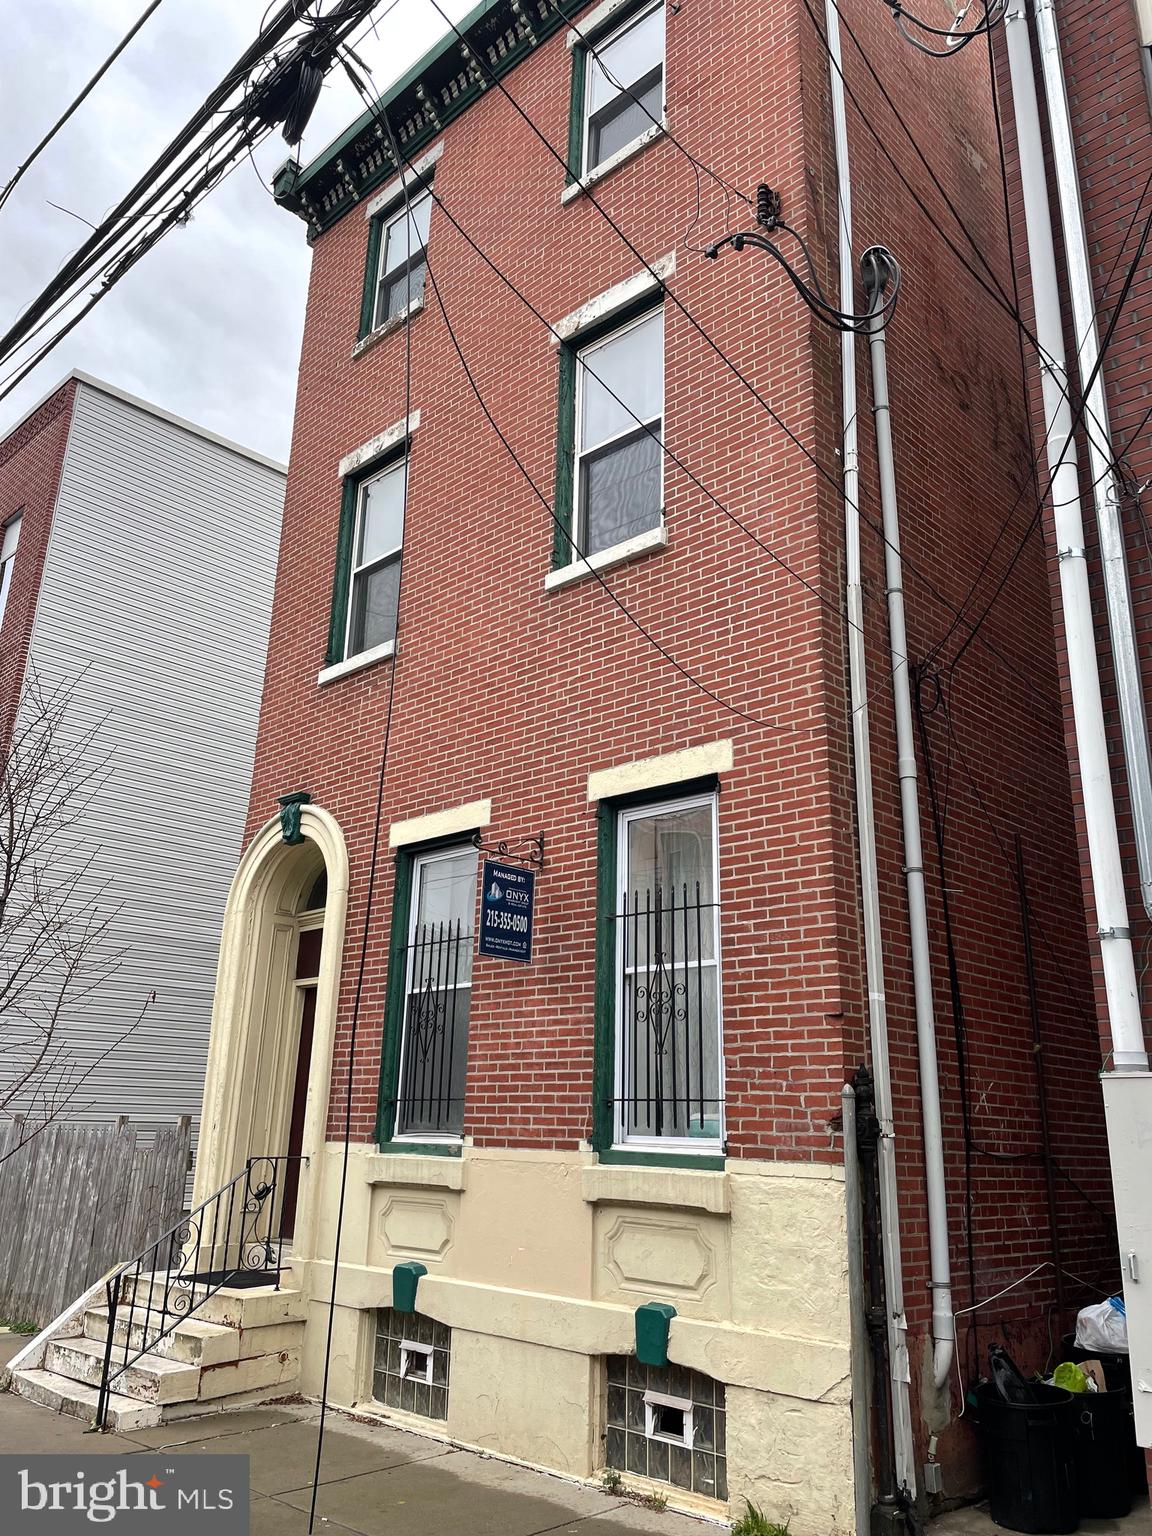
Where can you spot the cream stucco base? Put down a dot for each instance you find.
(537, 1262)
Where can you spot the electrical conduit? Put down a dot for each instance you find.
(878, 269)
(865, 814)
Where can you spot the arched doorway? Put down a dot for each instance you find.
(273, 1019)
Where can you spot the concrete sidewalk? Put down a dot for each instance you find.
(374, 1480)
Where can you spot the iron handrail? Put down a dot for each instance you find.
(241, 1246)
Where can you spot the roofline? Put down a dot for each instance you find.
(494, 37)
(116, 393)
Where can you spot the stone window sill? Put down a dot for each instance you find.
(394, 322)
(613, 162)
(604, 559)
(358, 663)
(621, 1185)
(417, 1169)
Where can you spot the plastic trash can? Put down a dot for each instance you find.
(1029, 1453)
(1104, 1440)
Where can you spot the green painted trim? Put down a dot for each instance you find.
(406, 1278)
(562, 550)
(342, 574)
(710, 1163)
(653, 1324)
(394, 1005)
(421, 1148)
(576, 113)
(371, 262)
(604, 1043)
(429, 80)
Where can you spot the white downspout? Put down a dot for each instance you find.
(1118, 595)
(865, 815)
(1116, 956)
(879, 270)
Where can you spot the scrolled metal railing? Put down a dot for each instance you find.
(235, 1238)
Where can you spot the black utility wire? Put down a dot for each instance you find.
(765, 404)
(78, 100)
(369, 899)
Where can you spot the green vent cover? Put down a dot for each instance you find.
(405, 1279)
(653, 1321)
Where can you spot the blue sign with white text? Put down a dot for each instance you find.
(506, 912)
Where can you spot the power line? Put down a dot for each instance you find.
(765, 405)
(92, 83)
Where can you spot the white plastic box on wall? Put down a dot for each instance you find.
(1128, 1111)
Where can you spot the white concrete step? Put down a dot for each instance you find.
(239, 1307)
(151, 1378)
(192, 1340)
(51, 1390)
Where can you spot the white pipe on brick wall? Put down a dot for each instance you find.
(1105, 490)
(1117, 963)
(881, 269)
(865, 812)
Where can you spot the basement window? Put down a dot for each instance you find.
(411, 1367)
(666, 1423)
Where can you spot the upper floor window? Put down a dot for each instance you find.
(377, 549)
(619, 417)
(401, 266)
(11, 537)
(623, 86)
(668, 1058)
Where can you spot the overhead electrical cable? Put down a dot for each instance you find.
(77, 101)
(679, 304)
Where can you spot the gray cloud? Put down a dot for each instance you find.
(208, 325)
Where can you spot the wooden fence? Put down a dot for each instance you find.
(75, 1201)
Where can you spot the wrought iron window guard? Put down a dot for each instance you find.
(235, 1238)
(434, 1052)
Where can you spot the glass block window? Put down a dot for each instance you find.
(412, 1359)
(666, 1423)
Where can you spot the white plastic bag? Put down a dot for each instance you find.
(1103, 1327)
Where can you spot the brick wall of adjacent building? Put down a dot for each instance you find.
(31, 458)
(504, 690)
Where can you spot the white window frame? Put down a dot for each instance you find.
(597, 46)
(9, 543)
(415, 195)
(699, 1146)
(393, 555)
(447, 1138)
(654, 1400)
(579, 539)
(411, 1352)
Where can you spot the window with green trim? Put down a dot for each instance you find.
(619, 92)
(659, 988)
(397, 266)
(610, 459)
(429, 994)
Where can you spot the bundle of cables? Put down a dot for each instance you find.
(914, 29)
(770, 221)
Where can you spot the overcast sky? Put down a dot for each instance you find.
(208, 324)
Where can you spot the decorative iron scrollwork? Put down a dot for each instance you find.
(508, 849)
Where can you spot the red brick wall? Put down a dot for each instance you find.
(504, 690)
(31, 458)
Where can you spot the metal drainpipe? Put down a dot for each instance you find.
(1116, 957)
(878, 269)
(865, 813)
(1118, 594)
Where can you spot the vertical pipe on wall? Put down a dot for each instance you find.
(858, 1321)
(1105, 487)
(865, 811)
(879, 269)
(1116, 957)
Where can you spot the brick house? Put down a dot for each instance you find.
(582, 655)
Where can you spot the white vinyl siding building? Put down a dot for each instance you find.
(153, 610)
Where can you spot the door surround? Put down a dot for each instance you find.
(255, 1000)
